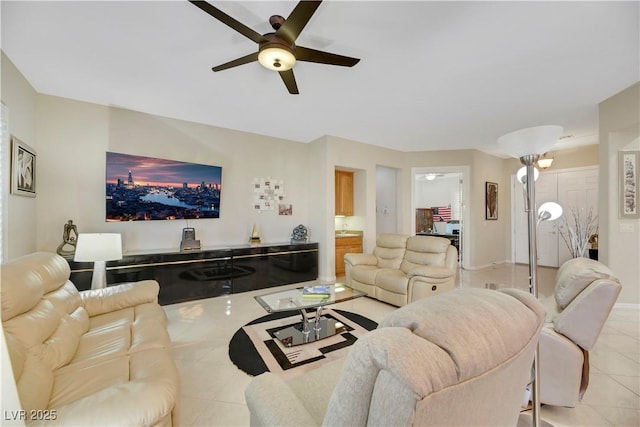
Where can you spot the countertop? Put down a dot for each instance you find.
(348, 233)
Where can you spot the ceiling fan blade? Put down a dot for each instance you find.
(290, 81)
(229, 21)
(312, 55)
(240, 61)
(297, 20)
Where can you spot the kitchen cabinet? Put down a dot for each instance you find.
(344, 193)
(346, 245)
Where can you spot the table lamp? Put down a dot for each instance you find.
(98, 248)
(528, 145)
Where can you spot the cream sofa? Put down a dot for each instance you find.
(97, 357)
(403, 269)
(584, 294)
(461, 358)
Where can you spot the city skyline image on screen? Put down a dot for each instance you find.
(142, 188)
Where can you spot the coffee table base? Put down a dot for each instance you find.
(307, 331)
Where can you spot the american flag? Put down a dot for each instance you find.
(441, 213)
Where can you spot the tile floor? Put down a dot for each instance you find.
(213, 388)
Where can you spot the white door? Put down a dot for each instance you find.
(547, 191)
(547, 242)
(575, 190)
(578, 196)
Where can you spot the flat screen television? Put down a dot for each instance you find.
(142, 188)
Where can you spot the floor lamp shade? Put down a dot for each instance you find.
(534, 140)
(98, 248)
(549, 211)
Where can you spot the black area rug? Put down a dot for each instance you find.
(244, 355)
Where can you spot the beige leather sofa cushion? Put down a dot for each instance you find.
(390, 250)
(139, 389)
(423, 251)
(433, 244)
(392, 280)
(20, 291)
(575, 275)
(22, 288)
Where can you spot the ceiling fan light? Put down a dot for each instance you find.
(276, 59)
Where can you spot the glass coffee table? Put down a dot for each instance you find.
(307, 330)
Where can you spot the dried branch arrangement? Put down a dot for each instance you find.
(576, 227)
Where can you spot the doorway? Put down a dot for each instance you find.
(442, 191)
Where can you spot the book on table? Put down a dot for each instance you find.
(316, 291)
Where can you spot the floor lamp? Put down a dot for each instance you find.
(528, 145)
(98, 248)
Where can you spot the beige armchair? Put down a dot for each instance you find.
(585, 292)
(461, 358)
(403, 269)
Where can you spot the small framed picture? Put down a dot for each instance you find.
(491, 195)
(23, 168)
(629, 183)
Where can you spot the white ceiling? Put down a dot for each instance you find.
(432, 75)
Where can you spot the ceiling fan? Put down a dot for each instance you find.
(277, 51)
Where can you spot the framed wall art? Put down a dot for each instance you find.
(140, 188)
(628, 183)
(491, 200)
(23, 168)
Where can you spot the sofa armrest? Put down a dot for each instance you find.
(431, 271)
(360, 259)
(112, 298)
(272, 402)
(584, 317)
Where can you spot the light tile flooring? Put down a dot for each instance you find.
(213, 388)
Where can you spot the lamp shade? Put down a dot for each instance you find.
(98, 247)
(521, 175)
(276, 58)
(545, 162)
(549, 211)
(534, 140)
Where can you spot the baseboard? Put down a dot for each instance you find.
(492, 264)
(626, 305)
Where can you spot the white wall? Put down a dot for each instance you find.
(386, 200)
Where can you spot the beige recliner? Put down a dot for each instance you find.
(460, 358)
(403, 269)
(585, 292)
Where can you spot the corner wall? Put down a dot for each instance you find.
(19, 213)
(619, 242)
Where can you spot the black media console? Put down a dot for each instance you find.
(189, 275)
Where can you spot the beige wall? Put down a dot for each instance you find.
(74, 136)
(619, 243)
(20, 227)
